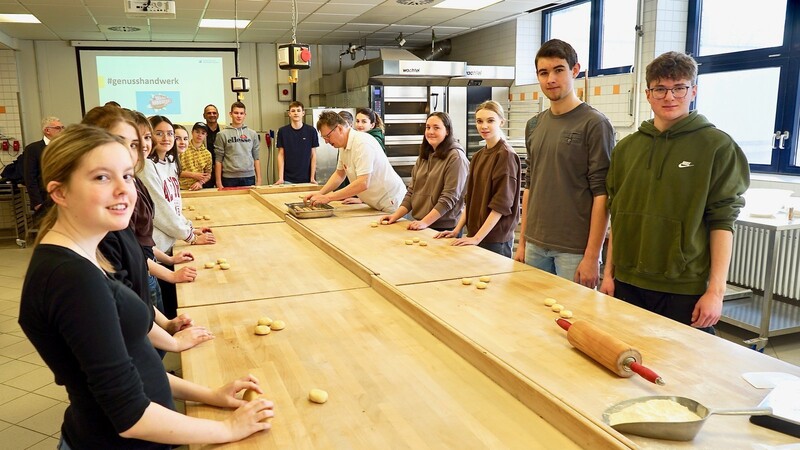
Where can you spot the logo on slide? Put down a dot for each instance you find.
(162, 102)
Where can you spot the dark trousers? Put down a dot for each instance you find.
(677, 307)
(236, 182)
(501, 248)
(169, 296)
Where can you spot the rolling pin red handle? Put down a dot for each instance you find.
(564, 323)
(646, 373)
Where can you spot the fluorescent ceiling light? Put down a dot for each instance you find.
(471, 5)
(223, 23)
(18, 18)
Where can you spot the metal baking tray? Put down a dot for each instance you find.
(303, 211)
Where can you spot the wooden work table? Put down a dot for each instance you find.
(240, 207)
(267, 260)
(509, 321)
(391, 384)
(277, 204)
(382, 251)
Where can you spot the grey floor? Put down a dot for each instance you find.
(32, 406)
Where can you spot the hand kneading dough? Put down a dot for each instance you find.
(550, 302)
(207, 217)
(423, 244)
(262, 330)
(224, 266)
(566, 314)
(485, 279)
(480, 285)
(409, 242)
(209, 265)
(249, 395)
(318, 396)
(264, 320)
(557, 308)
(374, 224)
(466, 281)
(277, 325)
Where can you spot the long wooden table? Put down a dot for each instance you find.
(391, 384)
(235, 208)
(383, 251)
(509, 321)
(267, 261)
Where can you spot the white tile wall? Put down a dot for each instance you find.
(10, 124)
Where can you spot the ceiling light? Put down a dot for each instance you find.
(471, 5)
(18, 18)
(224, 23)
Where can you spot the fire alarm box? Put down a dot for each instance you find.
(16, 146)
(294, 56)
(284, 93)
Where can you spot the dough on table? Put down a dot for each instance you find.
(318, 396)
(277, 325)
(409, 242)
(198, 217)
(565, 314)
(221, 260)
(209, 265)
(206, 217)
(374, 224)
(466, 281)
(480, 285)
(224, 266)
(557, 308)
(262, 330)
(485, 278)
(249, 395)
(191, 208)
(264, 320)
(423, 244)
(415, 240)
(384, 222)
(550, 302)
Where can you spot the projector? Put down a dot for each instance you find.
(153, 9)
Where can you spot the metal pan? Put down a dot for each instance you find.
(673, 431)
(303, 210)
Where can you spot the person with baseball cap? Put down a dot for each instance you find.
(196, 162)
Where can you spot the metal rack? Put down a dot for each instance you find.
(14, 214)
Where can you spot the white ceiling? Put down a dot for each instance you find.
(336, 22)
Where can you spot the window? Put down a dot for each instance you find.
(748, 82)
(603, 33)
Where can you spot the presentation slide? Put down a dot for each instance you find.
(177, 84)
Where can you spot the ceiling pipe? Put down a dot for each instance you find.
(440, 50)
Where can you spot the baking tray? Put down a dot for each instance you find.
(303, 211)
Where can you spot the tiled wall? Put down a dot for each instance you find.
(10, 127)
(529, 39)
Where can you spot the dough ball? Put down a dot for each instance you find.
(557, 307)
(221, 260)
(198, 217)
(485, 278)
(466, 281)
(191, 208)
(209, 265)
(566, 314)
(249, 395)
(207, 217)
(423, 244)
(481, 285)
(374, 224)
(224, 266)
(415, 240)
(262, 330)
(409, 242)
(384, 222)
(264, 320)
(278, 325)
(318, 396)
(550, 302)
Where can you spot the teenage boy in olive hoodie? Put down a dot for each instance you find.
(674, 191)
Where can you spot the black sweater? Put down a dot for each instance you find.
(92, 332)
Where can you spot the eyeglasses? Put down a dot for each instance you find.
(659, 93)
(59, 128)
(161, 133)
(327, 136)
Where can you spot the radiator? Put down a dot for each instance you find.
(749, 259)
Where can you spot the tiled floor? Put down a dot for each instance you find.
(32, 406)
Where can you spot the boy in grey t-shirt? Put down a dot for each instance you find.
(236, 151)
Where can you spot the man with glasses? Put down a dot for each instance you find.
(564, 216)
(363, 162)
(297, 149)
(32, 160)
(674, 191)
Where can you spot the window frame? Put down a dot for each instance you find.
(595, 37)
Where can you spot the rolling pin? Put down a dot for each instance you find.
(609, 351)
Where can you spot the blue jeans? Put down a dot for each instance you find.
(62, 444)
(155, 293)
(236, 182)
(555, 262)
(501, 248)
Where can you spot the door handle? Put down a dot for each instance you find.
(782, 140)
(775, 137)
